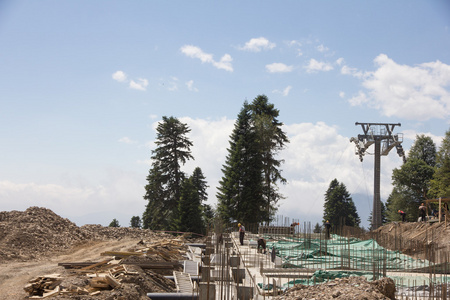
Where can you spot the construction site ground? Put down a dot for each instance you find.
(35, 241)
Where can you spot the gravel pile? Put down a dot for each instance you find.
(38, 232)
(357, 288)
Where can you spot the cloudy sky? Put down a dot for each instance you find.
(83, 85)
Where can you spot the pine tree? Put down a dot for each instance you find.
(135, 222)
(317, 228)
(271, 140)
(240, 191)
(114, 223)
(165, 177)
(248, 189)
(383, 215)
(339, 207)
(191, 216)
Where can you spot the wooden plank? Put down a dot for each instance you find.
(121, 253)
(112, 282)
(94, 265)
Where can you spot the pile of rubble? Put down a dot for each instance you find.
(130, 275)
(38, 232)
(343, 288)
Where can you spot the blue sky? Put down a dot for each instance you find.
(84, 83)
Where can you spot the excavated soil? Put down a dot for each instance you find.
(35, 241)
(357, 288)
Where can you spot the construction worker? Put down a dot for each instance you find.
(327, 229)
(293, 227)
(262, 244)
(422, 212)
(403, 214)
(241, 233)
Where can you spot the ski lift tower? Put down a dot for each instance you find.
(381, 135)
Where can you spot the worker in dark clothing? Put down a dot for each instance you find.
(241, 233)
(262, 244)
(403, 214)
(327, 229)
(422, 212)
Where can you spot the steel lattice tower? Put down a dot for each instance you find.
(379, 134)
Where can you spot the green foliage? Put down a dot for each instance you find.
(190, 217)
(317, 228)
(240, 189)
(440, 183)
(383, 215)
(414, 174)
(339, 207)
(135, 222)
(411, 182)
(114, 223)
(208, 215)
(189, 209)
(165, 178)
(401, 198)
(423, 149)
(248, 189)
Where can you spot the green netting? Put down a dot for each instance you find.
(342, 253)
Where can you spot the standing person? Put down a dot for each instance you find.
(403, 214)
(262, 244)
(241, 233)
(292, 231)
(422, 212)
(327, 229)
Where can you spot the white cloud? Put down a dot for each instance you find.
(141, 84)
(258, 44)
(341, 94)
(314, 66)
(195, 52)
(284, 92)
(105, 201)
(173, 84)
(412, 135)
(346, 70)
(359, 99)
(138, 84)
(127, 140)
(119, 76)
(317, 153)
(297, 44)
(418, 92)
(322, 48)
(279, 68)
(294, 43)
(190, 86)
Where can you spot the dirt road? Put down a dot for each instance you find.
(15, 275)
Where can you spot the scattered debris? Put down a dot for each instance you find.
(343, 288)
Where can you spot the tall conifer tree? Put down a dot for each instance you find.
(248, 190)
(339, 207)
(163, 190)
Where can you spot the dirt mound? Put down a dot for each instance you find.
(343, 288)
(38, 232)
(34, 233)
(413, 238)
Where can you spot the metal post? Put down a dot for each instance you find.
(376, 212)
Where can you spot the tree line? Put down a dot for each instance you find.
(249, 188)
